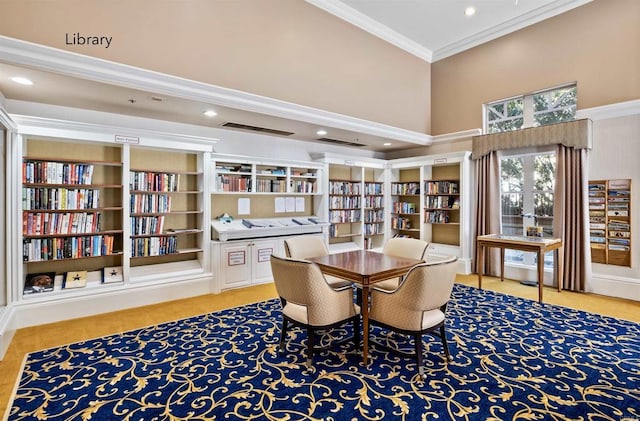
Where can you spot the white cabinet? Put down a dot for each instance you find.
(244, 263)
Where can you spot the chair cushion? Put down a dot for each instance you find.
(296, 312)
(432, 318)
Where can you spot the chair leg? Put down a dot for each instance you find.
(356, 332)
(445, 345)
(417, 338)
(311, 343)
(283, 333)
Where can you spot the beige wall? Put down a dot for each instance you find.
(284, 49)
(596, 45)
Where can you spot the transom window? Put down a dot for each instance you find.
(537, 109)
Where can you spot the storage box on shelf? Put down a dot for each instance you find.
(71, 209)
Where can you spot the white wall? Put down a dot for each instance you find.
(616, 154)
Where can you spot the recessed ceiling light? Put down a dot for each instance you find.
(157, 98)
(387, 143)
(321, 132)
(470, 11)
(22, 80)
(210, 113)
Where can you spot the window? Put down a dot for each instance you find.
(532, 110)
(527, 187)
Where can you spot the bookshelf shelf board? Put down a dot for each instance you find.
(85, 210)
(442, 209)
(443, 223)
(165, 192)
(78, 234)
(407, 214)
(346, 235)
(73, 161)
(67, 259)
(182, 251)
(339, 209)
(347, 222)
(74, 186)
(186, 212)
(149, 170)
(408, 229)
(165, 234)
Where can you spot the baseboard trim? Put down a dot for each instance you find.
(7, 329)
(615, 286)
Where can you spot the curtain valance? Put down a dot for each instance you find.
(576, 134)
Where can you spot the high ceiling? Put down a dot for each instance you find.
(435, 29)
(430, 29)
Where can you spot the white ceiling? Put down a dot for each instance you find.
(435, 29)
(430, 29)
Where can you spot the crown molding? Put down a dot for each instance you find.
(512, 25)
(620, 109)
(364, 22)
(68, 63)
(455, 136)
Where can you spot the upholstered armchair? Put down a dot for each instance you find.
(306, 246)
(402, 247)
(309, 302)
(417, 306)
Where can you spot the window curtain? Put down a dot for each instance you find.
(488, 207)
(573, 139)
(571, 217)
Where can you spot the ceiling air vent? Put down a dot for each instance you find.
(256, 129)
(340, 142)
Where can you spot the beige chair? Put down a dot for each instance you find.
(310, 303)
(417, 306)
(411, 248)
(306, 246)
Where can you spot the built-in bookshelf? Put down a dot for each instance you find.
(610, 221)
(442, 201)
(374, 209)
(165, 206)
(245, 176)
(405, 204)
(71, 208)
(345, 209)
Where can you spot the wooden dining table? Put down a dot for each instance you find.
(365, 268)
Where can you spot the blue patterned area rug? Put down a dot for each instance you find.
(513, 359)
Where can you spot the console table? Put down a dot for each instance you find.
(539, 245)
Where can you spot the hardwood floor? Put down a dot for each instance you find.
(45, 336)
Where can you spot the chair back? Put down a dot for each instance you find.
(305, 246)
(411, 248)
(301, 282)
(428, 286)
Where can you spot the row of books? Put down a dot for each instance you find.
(49, 172)
(344, 202)
(436, 217)
(374, 215)
(47, 223)
(345, 187)
(400, 223)
(233, 183)
(374, 201)
(146, 225)
(44, 198)
(150, 203)
(372, 188)
(344, 216)
(153, 181)
(57, 248)
(403, 207)
(271, 185)
(442, 202)
(153, 246)
(441, 187)
(405, 188)
(373, 229)
(303, 186)
(45, 281)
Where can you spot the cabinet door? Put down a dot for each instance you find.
(235, 265)
(261, 259)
